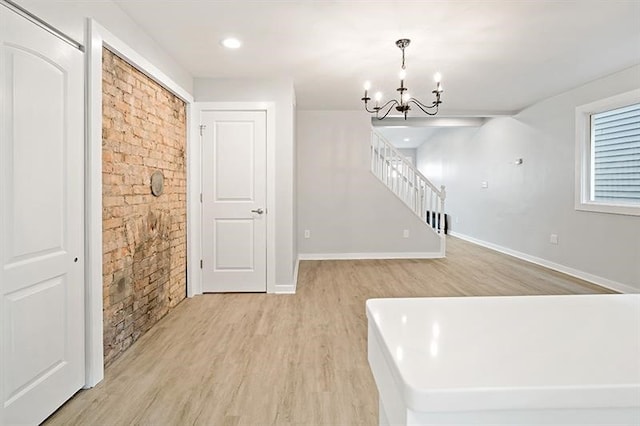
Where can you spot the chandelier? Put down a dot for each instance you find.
(403, 104)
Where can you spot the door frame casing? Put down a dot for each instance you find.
(194, 284)
(97, 37)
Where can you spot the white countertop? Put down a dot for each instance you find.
(476, 353)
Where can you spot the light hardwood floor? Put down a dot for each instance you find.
(256, 359)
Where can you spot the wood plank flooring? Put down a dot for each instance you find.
(257, 359)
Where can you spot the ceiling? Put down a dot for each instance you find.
(496, 57)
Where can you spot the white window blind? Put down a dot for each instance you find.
(615, 153)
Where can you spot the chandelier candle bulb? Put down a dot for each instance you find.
(367, 86)
(378, 98)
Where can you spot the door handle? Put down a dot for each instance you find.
(259, 211)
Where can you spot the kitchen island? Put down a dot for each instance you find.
(506, 360)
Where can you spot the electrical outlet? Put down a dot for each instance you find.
(405, 233)
(307, 234)
(553, 238)
(484, 184)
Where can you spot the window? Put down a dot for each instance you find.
(608, 155)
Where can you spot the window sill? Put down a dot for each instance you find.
(623, 209)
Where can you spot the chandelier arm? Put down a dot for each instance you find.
(370, 111)
(390, 104)
(426, 108)
(377, 109)
(434, 104)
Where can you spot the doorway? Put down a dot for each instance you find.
(234, 201)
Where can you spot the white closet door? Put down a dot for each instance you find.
(41, 220)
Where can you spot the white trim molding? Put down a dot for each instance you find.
(370, 256)
(194, 285)
(285, 289)
(98, 37)
(296, 271)
(583, 166)
(289, 288)
(194, 204)
(595, 279)
(94, 356)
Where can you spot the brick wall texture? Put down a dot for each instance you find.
(144, 236)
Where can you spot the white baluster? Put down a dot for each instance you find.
(398, 177)
(373, 152)
(392, 164)
(433, 207)
(423, 194)
(386, 166)
(398, 180)
(443, 195)
(380, 162)
(403, 182)
(394, 173)
(418, 194)
(401, 176)
(427, 191)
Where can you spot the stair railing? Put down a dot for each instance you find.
(396, 171)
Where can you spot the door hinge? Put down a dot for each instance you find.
(202, 127)
(200, 263)
(201, 197)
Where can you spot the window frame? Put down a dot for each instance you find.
(584, 159)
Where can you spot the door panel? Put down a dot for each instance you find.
(234, 197)
(34, 77)
(34, 359)
(41, 220)
(235, 170)
(234, 244)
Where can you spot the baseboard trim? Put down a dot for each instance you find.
(595, 279)
(369, 256)
(285, 289)
(289, 288)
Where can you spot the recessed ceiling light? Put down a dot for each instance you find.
(406, 139)
(231, 43)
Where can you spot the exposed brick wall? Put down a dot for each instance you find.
(144, 237)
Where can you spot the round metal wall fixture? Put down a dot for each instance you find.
(157, 183)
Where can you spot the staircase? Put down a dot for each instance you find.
(403, 179)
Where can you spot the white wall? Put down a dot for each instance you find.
(69, 17)
(524, 204)
(281, 93)
(410, 153)
(342, 204)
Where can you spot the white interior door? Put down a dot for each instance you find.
(41, 220)
(234, 195)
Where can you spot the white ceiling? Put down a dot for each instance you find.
(495, 56)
